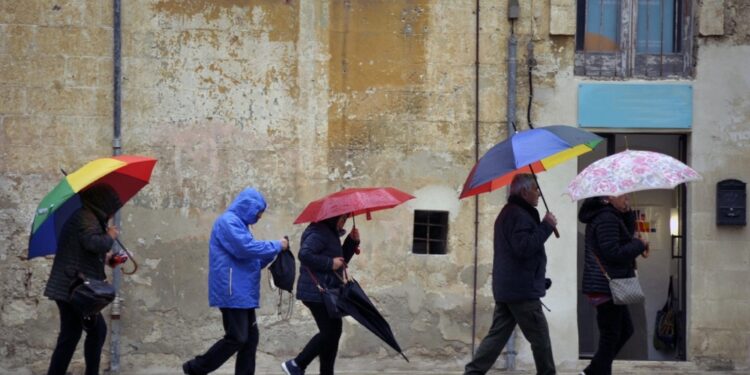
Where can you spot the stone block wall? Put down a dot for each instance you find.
(300, 99)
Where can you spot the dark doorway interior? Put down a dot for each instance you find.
(662, 214)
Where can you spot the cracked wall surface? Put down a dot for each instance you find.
(300, 99)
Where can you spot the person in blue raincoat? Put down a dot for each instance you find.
(235, 261)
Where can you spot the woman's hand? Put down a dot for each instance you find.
(354, 234)
(113, 232)
(646, 251)
(337, 263)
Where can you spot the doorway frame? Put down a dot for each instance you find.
(681, 190)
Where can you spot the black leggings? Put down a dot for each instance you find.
(325, 344)
(72, 325)
(615, 328)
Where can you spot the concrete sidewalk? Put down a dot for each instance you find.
(620, 367)
(366, 367)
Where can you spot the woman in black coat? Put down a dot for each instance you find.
(84, 245)
(322, 258)
(610, 229)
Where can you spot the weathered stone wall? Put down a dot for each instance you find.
(719, 301)
(55, 112)
(296, 98)
(301, 98)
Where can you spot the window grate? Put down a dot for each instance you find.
(430, 232)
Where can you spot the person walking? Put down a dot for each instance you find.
(518, 279)
(321, 257)
(610, 242)
(85, 244)
(235, 260)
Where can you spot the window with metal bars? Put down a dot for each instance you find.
(634, 38)
(430, 232)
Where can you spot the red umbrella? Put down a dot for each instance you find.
(352, 201)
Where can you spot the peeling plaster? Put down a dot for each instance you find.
(437, 198)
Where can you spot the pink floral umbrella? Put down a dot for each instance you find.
(629, 171)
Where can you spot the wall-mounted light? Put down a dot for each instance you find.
(674, 222)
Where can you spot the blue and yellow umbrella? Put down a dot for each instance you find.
(528, 151)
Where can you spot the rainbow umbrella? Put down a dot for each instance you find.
(126, 174)
(528, 151)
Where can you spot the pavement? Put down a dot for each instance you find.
(358, 367)
(619, 368)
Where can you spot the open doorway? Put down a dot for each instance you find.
(662, 222)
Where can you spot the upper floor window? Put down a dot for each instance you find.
(634, 38)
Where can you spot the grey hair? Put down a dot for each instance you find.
(521, 182)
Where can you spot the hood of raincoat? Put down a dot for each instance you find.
(102, 200)
(248, 204)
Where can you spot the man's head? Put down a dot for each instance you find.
(249, 206)
(524, 186)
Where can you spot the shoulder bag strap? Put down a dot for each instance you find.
(315, 279)
(600, 266)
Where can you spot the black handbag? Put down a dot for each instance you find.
(665, 332)
(330, 297)
(89, 295)
(625, 291)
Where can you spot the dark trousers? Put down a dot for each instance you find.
(72, 325)
(241, 337)
(325, 344)
(615, 328)
(529, 316)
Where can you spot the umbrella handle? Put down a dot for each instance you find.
(554, 229)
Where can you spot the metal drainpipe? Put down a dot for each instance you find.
(513, 13)
(476, 197)
(116, 150)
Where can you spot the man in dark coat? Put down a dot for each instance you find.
(518, 279)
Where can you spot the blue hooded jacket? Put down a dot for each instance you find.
(235, 257)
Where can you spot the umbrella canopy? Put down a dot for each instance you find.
(528, 151)
(629, 171)
(352, 201)
(354, 302)
(126, 174)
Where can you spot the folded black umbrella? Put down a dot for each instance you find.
(355, 302)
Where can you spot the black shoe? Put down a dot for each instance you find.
(187, 370)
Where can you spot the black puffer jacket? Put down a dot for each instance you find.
(83, 242)
(519, 263)
(609, 235)
(320, 244)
